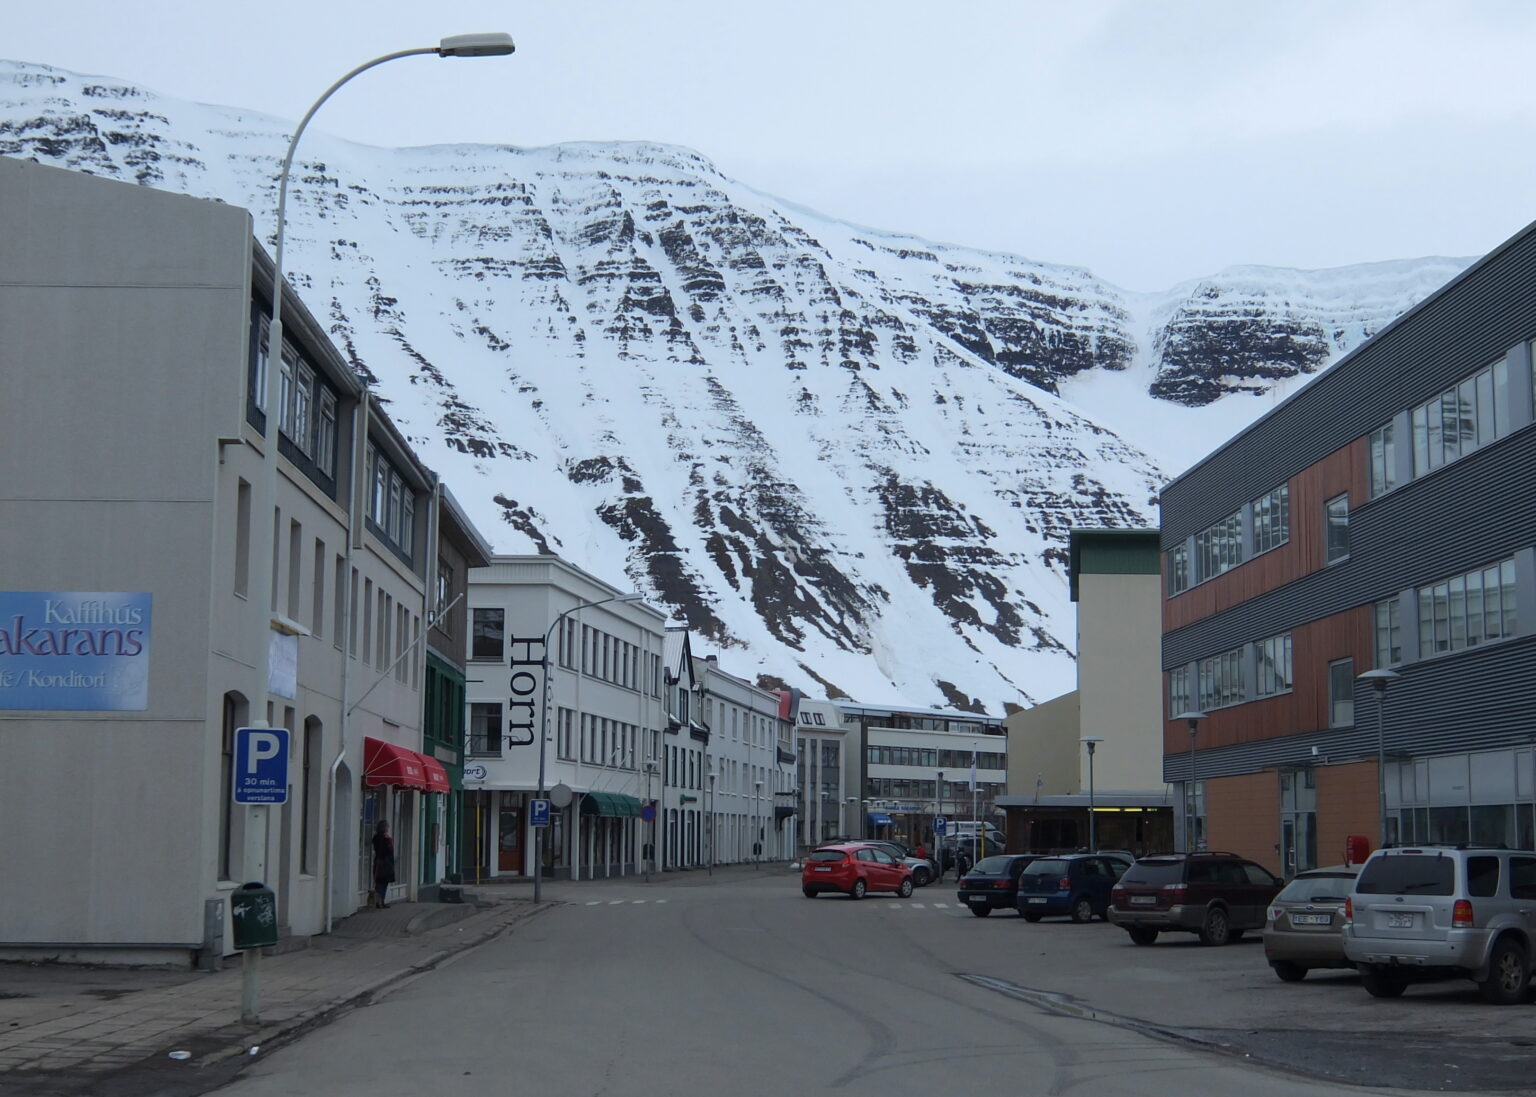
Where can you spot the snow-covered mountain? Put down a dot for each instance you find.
(847, 458)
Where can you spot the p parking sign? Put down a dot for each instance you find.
(261, 766)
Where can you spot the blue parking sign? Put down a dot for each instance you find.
(538, 812)
(261, 766)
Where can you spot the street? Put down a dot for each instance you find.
(736, 983)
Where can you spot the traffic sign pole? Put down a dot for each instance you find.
(260, 779)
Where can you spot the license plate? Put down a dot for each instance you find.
(1143, 900)
(823, 870)
(1037, 899)
(1399, 921)
(975, 898)
(1311, 920)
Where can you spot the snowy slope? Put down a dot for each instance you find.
(850, 458)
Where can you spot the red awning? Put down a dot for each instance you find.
(437, 776)
(386, 764)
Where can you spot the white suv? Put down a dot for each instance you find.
(1434, 911)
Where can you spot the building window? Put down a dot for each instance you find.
(1463, 418)
(391, 503)
(1383, 460)
(1271, 520)
(243, 539)
(1389, 632)
(1336, 528)
(325, 434)
(488, 635)
(1341, 693)
(1178, 569)
(485, 729)
(1219, 548)
(1221, 680)
(1467, 610)
(1273, 665)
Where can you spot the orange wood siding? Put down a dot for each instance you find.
(1346, 804)
(1313, 646)
(1344, 470)
(1242, 816)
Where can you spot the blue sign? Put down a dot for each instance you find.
(261, 766)
(940, 825)
(79, 650)
(538, 812)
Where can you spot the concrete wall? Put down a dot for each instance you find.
(1119, 678)
(1043, 748)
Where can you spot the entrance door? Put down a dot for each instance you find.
(1298, 821)
(509, 843)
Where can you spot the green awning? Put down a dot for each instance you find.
(612, 805)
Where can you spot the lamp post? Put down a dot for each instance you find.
(710, 815)
(1192, 718)
(1091, 742)
(538, 858)
(757, 823)
(1378, 679)
(264, 498)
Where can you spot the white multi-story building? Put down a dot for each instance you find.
(747, 766)
(684, 762)
(559, 657)
(826, 778)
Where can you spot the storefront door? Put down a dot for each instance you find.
(509, 843)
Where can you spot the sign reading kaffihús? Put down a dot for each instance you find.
(82, 650)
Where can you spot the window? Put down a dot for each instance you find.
(1467, 610)
(1336, 528)
(1272, 519)
(1389, 632)
(1341, 693)
(1221, 680)
(325, 434)
(1273, 665)
(243, 539)
(484, 728)
(488, 635)
(1383, 460)
(444, 585)
(1219, 548)
(391, 503)
(1460, 420)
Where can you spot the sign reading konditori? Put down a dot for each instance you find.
(81, 650)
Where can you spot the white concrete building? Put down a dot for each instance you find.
(829, 804)
(559, 656)
(746, 764)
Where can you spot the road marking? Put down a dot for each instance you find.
(661, 900)
(595, 903)
(616, 902)
(636, 902)
(917, 906)
(940, 906)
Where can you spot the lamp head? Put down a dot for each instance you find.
(493, 44)
(1378, 678)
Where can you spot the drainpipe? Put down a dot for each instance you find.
(432, 613)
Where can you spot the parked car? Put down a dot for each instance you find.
(1076, 885)
(1305, 927)
(1219, 896)
(1432, 911)
(854, 869)
(923, 869)
(964, 852)
(993, 883)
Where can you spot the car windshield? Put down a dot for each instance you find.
(1048, 866)
(1155, 873)
(1317, 889)
(1408, 874)
(995, 865)
(827, 855)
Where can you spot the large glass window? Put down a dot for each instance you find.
(1466, 610)
(1273, 665)
(1336, 528)
(1178, 569)
(1389, 632)
(1272, 519)
(488, 635)
(1219, 548)
(484, 729)
(1469, 414)
(1178, 691)
(1221, 680)
(1383, 460)
(1341, 693)
(391, 502)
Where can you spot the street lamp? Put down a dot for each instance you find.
(1193, 718)
(264, 499)
(757, 821)
(538, 859)
(1379, 679)
(1093, 834)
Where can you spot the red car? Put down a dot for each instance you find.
(854, 868)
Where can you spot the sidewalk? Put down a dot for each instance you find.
(111, 1031)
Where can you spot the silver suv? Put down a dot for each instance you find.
(1444, 911)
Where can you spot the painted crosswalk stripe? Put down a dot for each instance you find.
(661, 900)
(917, 906)
(616, 902)
(940, 906)
(595, 903)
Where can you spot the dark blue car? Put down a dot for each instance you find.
(1076, 885)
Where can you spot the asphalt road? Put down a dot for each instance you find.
(737, 984)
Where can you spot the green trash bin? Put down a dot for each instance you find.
(253, 911)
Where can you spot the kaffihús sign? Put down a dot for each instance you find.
(80, 650)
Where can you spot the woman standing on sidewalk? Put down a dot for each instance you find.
(383, 861)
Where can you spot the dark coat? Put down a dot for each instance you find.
(383, 859)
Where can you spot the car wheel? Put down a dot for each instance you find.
(1379, 985)
(980, 912)
(1508, 978)
(859, 888)
(921, 878)
(1082, 910)
(905, 890)
(809, 893)
(1030, 915)
(1217, 929)
(1289, 972)
(1141, 935)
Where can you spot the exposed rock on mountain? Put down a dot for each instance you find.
(842, 454)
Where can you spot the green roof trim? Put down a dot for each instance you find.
(610, 805)
(1113, 552)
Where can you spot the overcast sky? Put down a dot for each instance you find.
(1149, 140)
